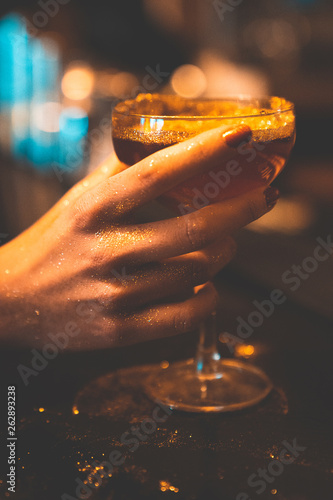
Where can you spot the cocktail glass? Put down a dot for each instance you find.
(152, 122)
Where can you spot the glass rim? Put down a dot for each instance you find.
(286, 107)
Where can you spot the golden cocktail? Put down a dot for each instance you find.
(149, 123)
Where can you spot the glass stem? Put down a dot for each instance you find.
(207, 355)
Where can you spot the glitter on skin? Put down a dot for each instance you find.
(113, 238)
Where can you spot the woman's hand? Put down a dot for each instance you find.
(88, 274)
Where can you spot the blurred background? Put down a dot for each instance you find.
(65, 63)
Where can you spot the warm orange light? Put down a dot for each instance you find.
(75, 410)
(189, 81)
(166, 486)
(103, 81)
(41, 410)
(244, 351)
(78, 83)
(122, 84)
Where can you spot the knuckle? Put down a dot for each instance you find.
(81, 214)
(99, 260)
(148, 178)
(195, 231)
(109, 259)
(118, 296)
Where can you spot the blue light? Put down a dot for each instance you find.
(160, 123)
(30, 107)
(45, 70)
(73, 123)
(156, 124)
(73, 128)
(14, 61)
(15, 84)
(199, 366)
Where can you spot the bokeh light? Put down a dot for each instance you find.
(45, 116)
(244, 350)
(122, 85)
(78, 82)
(189, 81)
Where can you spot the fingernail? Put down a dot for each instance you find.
(271, 195)
(236, 136)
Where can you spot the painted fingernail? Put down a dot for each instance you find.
(271, 195)
(236, 136)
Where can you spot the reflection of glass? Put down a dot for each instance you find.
(152, 122)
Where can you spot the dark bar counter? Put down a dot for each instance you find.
(280, 449)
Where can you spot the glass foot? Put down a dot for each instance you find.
(232, 386)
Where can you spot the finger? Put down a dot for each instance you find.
(165, 169)
(173, 277)
(108, 168)
(168, 319)
(181, 235)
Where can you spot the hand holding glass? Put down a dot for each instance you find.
(149, 123)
